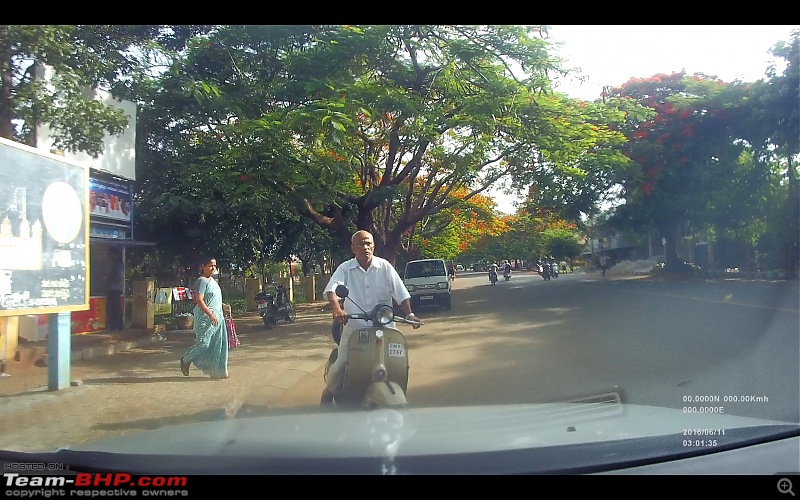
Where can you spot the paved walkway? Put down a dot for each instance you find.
(133, 382)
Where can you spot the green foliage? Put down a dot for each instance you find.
(81, 58)
(238, 307)
(562, 243)
(376, 126)
(687, 155)
(256, 142)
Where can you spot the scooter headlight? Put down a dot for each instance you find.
(384, 315)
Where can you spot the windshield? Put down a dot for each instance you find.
(424, 269)
(640, 181)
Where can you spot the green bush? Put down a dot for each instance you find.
(238, 305)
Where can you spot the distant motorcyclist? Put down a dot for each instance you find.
(554, 267)
(493, 271)
(507, 267)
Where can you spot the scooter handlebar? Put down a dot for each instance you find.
(397, 319)
(401, 319)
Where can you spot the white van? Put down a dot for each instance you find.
(428, 282)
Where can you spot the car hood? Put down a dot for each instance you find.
(552, 438)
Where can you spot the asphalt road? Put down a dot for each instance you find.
(663, 343)
(730, 345)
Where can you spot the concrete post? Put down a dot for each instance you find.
(143, 313)
(309, 288)
(9, 337)
(288, 282)
(251, 287)
(322, 280)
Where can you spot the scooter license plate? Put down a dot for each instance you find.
(397, 350)
(426, 297)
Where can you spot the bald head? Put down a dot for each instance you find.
(363, 245)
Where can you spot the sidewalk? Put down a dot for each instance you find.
(28, 370)
(131, 382)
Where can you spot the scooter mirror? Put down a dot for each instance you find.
(342, 291)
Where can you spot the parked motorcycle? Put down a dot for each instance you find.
(376, 375)
(275, 306)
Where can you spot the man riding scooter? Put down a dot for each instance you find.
(371, 280)
(507, 270)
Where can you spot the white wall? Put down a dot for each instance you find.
(119, 151)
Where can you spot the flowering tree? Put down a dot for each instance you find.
(687, 153)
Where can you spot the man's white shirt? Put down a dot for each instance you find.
(378, 284)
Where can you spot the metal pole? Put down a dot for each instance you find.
(59, 347)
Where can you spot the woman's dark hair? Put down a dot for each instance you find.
(202, 260)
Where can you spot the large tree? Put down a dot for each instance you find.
(687, 154)
(342, 121)
(774, 121)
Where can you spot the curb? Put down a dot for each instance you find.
(115, 346)
(36, 353)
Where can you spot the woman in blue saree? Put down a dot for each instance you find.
(210, 350)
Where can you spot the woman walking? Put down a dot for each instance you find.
(210, 350)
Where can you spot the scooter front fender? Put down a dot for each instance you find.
(384, 394)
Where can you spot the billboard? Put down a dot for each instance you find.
(110, 208)
(44, 232)
(110, 200)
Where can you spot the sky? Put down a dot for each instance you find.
(612, 54)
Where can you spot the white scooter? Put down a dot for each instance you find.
(376, 372)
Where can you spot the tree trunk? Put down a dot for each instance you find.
(793, 252)
(671, 260)
(6, 124)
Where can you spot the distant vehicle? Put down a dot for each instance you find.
(428, 283)
(478, 266)
(459, 267)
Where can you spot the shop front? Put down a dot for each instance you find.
(110, 234)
